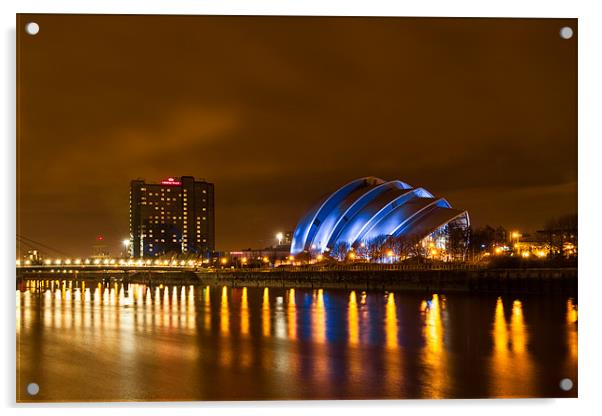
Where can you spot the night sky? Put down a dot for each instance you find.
(279, 111)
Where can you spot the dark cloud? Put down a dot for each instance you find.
(277, 111)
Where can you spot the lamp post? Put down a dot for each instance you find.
(515, 238)
(126, 246)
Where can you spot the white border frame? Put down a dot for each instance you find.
(590, 136)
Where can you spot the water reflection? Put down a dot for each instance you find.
(224, 313)
(354, 329)
(391, 323)
(185, 342)
(265, 313)
(292, 315)
(511, 362)
(571, 324)
(319, 317)
(244, 313)
(571, 334)
(434, 355)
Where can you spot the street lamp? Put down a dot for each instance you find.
(126, 245)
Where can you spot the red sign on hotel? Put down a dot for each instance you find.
(170, 181)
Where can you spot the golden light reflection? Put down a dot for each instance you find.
(319, 318)
(225, 349)
(391, 323)
(522, 363)
(207, 307)
(354, 326)
(292, 315)
(571, 330)
(225, 312)
(321, 363)
(571, 312)
(517, 328)
(244, 313)
(265, 313)
(434, 356)
(245, 355)
(511, 364)
(500, 361)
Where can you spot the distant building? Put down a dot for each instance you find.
(175, 216)
(100, 250)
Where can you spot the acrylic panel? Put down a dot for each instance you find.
(295, 208)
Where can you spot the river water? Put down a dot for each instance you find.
(93, 342)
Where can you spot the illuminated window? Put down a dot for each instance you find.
(204, 209)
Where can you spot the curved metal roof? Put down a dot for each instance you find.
(368, 208)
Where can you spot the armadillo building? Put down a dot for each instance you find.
(370, 208)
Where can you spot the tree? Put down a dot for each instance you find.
(339, 252)
(458, 237)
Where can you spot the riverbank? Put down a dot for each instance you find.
(548, 280)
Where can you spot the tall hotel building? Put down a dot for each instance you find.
(174, 216)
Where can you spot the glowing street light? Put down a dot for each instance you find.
(224, 261)
(126, 246)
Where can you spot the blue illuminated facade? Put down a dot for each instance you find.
(370, 208)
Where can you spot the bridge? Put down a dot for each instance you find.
(110, 266)
(57, 261)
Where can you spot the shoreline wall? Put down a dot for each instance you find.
(560, 280)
